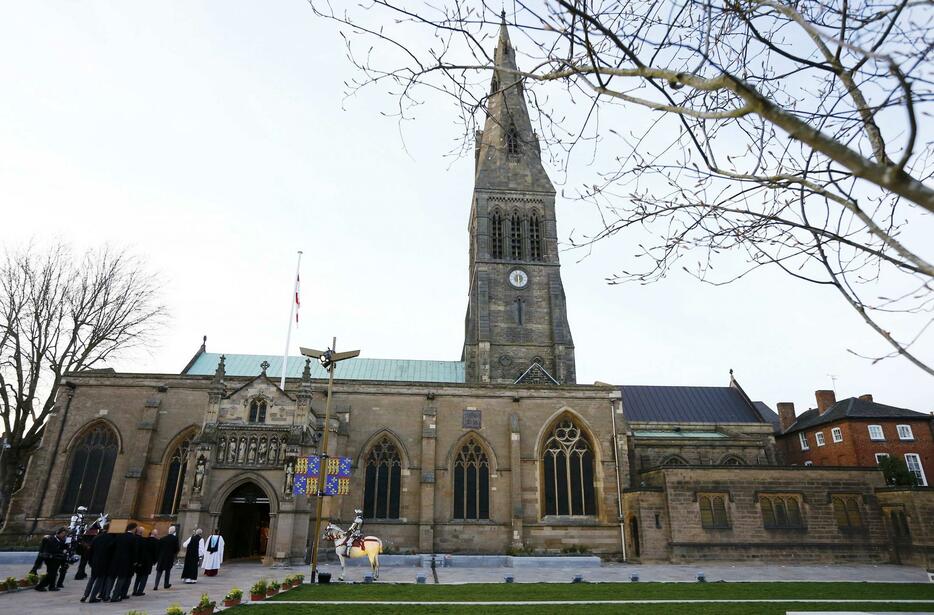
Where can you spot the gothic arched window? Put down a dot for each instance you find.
(258, 411)
(713, 512)
(515, 237)
(535, 238)
(471, 482)
(497, 237)
(568, 472)
(175, 478)
(92, 465)
(383, 481)
(512, 141)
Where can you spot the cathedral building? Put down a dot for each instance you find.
(501, 451)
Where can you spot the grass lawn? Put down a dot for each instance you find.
(847, 596)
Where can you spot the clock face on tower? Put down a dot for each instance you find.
(518, 278)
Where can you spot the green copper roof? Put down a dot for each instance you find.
(395, 370)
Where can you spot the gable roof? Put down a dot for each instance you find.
(394, 370)
(687, 404)
(853, 408)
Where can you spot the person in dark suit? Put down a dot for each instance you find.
(123, 562)
(99, 553)
(52, 552)
(148, 553)
(168, 551)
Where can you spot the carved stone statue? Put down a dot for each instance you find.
(199, 475)
(251, 455)
(241, 455)
(289, 478)
(261, 455)
(232, 450)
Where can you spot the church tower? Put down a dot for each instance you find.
(516, 326)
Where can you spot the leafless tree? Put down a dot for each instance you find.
(788, 133)
(60, 314)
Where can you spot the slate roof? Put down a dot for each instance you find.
(853, 408)
(394, 370)
(685, 404)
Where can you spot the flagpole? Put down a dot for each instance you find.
(288, 335)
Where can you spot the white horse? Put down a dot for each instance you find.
(367, 546)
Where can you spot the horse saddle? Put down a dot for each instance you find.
(358, 542)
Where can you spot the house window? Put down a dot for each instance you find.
(258, 411)
(803, 439)
(875, 432)
(904, 432)
(535, 238)
(175, 478)
(471, 482)
(880, 457)
(837, 434)
(781, 512)
(819, 437)
(497, 237)
(846, 512)
(713, 512)
(913, 461)
(515, 237)
(92, 465)
(568, 472)
(382, 481)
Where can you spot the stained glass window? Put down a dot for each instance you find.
(568, 472)
(382, 481)
(92, 464)
(175, 478)
(471, 482)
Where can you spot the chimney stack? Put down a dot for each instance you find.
(825, 399)
(786, 414)
(866, 397)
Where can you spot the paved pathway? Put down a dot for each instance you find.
(243, 575)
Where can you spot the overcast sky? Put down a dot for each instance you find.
(213, 139)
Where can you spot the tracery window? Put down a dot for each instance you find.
(512, 141)
(846, 512)
(781, 512)
(732, 460)
(568, 472)
(383, 481)
(515, 237)
(175, 478)
(497, 237)
(713, 512)
(92, 464)
(471, 482)
(258, 411)
(535, 238)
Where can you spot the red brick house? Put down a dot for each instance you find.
(857, 431)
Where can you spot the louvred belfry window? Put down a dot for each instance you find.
(535, 238)
(383, 481)
(568, 472)
(515, 237)
(92, 465)
(512, 141)
(471, 482)
(175, 478)
(497, 236)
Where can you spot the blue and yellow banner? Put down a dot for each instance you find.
(337, 472)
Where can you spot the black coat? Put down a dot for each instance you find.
(125, 555)
(192, 554)
(145, 557)
(102, 550)
(52, 549)
(168, 551)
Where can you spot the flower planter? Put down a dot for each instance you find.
(25, 583)
(231, 602)
(257, 597)
(203, 610)
(272, 592)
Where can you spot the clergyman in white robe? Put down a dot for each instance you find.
(214, 553)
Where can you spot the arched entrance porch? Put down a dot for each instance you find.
(245, 521)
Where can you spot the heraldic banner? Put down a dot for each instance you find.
(336, 475)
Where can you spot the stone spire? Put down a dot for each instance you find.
(508, 156)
